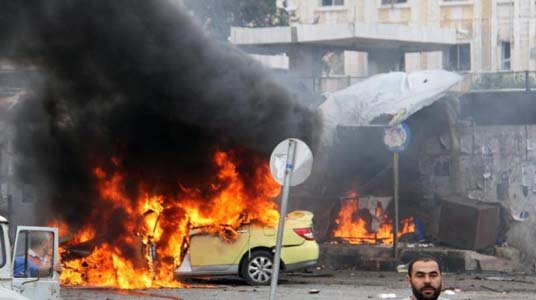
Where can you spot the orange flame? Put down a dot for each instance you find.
(355, 230)
(158, 226)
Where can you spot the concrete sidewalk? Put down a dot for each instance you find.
(380, 258)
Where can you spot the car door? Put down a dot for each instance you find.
(208, 252)
(45, 284)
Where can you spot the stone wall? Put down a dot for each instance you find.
(498, 161)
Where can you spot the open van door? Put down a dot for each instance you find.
(34, 254)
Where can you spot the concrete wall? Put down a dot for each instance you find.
(498, 153)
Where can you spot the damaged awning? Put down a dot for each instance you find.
(384, 99)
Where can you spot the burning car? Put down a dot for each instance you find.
(251, 255)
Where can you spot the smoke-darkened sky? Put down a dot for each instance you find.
(141, 81)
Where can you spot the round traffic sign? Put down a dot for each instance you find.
(397, 138)
(300, 166)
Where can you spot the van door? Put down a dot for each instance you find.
(34, 254)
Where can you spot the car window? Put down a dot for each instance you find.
(33, 254)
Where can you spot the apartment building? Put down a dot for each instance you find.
(474, 35)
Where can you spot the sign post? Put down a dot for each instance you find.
(290, 164)
(396, 139)
(395, 191)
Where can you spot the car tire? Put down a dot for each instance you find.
(257, 269)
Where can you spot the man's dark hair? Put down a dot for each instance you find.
(422, 258)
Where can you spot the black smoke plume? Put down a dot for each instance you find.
(138, 80)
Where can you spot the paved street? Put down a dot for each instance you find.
(336, 285)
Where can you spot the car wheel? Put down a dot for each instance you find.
(257, 269)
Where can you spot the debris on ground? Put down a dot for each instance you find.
(402, 268)
(494, 290)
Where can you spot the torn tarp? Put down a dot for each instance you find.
(386, 99)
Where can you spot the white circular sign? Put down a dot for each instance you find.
(397, 138)
(301, 167)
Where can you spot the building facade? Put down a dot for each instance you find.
(333, 40)
(491, 35)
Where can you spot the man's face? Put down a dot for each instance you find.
(425, 280)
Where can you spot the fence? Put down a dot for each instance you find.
(524, 80)
(478, 81)
(330, 83)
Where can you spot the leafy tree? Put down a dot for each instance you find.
(217, 16)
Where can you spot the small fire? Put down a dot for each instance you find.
(354, 229)
(154, 233)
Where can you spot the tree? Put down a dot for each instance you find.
(217, 16)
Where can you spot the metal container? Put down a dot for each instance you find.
(467, 224)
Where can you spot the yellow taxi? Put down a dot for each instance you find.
(251, 255)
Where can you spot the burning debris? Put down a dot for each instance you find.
(140, 127)
(364, 220)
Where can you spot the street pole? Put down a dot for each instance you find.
(395, 227)
(289, 167)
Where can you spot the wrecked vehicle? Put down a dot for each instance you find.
(43, 285)
(251, 255)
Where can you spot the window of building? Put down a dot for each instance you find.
(332, 2)
(505, 56)
(388, 2)
(333, 63)
(460, 57)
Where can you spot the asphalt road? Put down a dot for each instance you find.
(335, 285)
